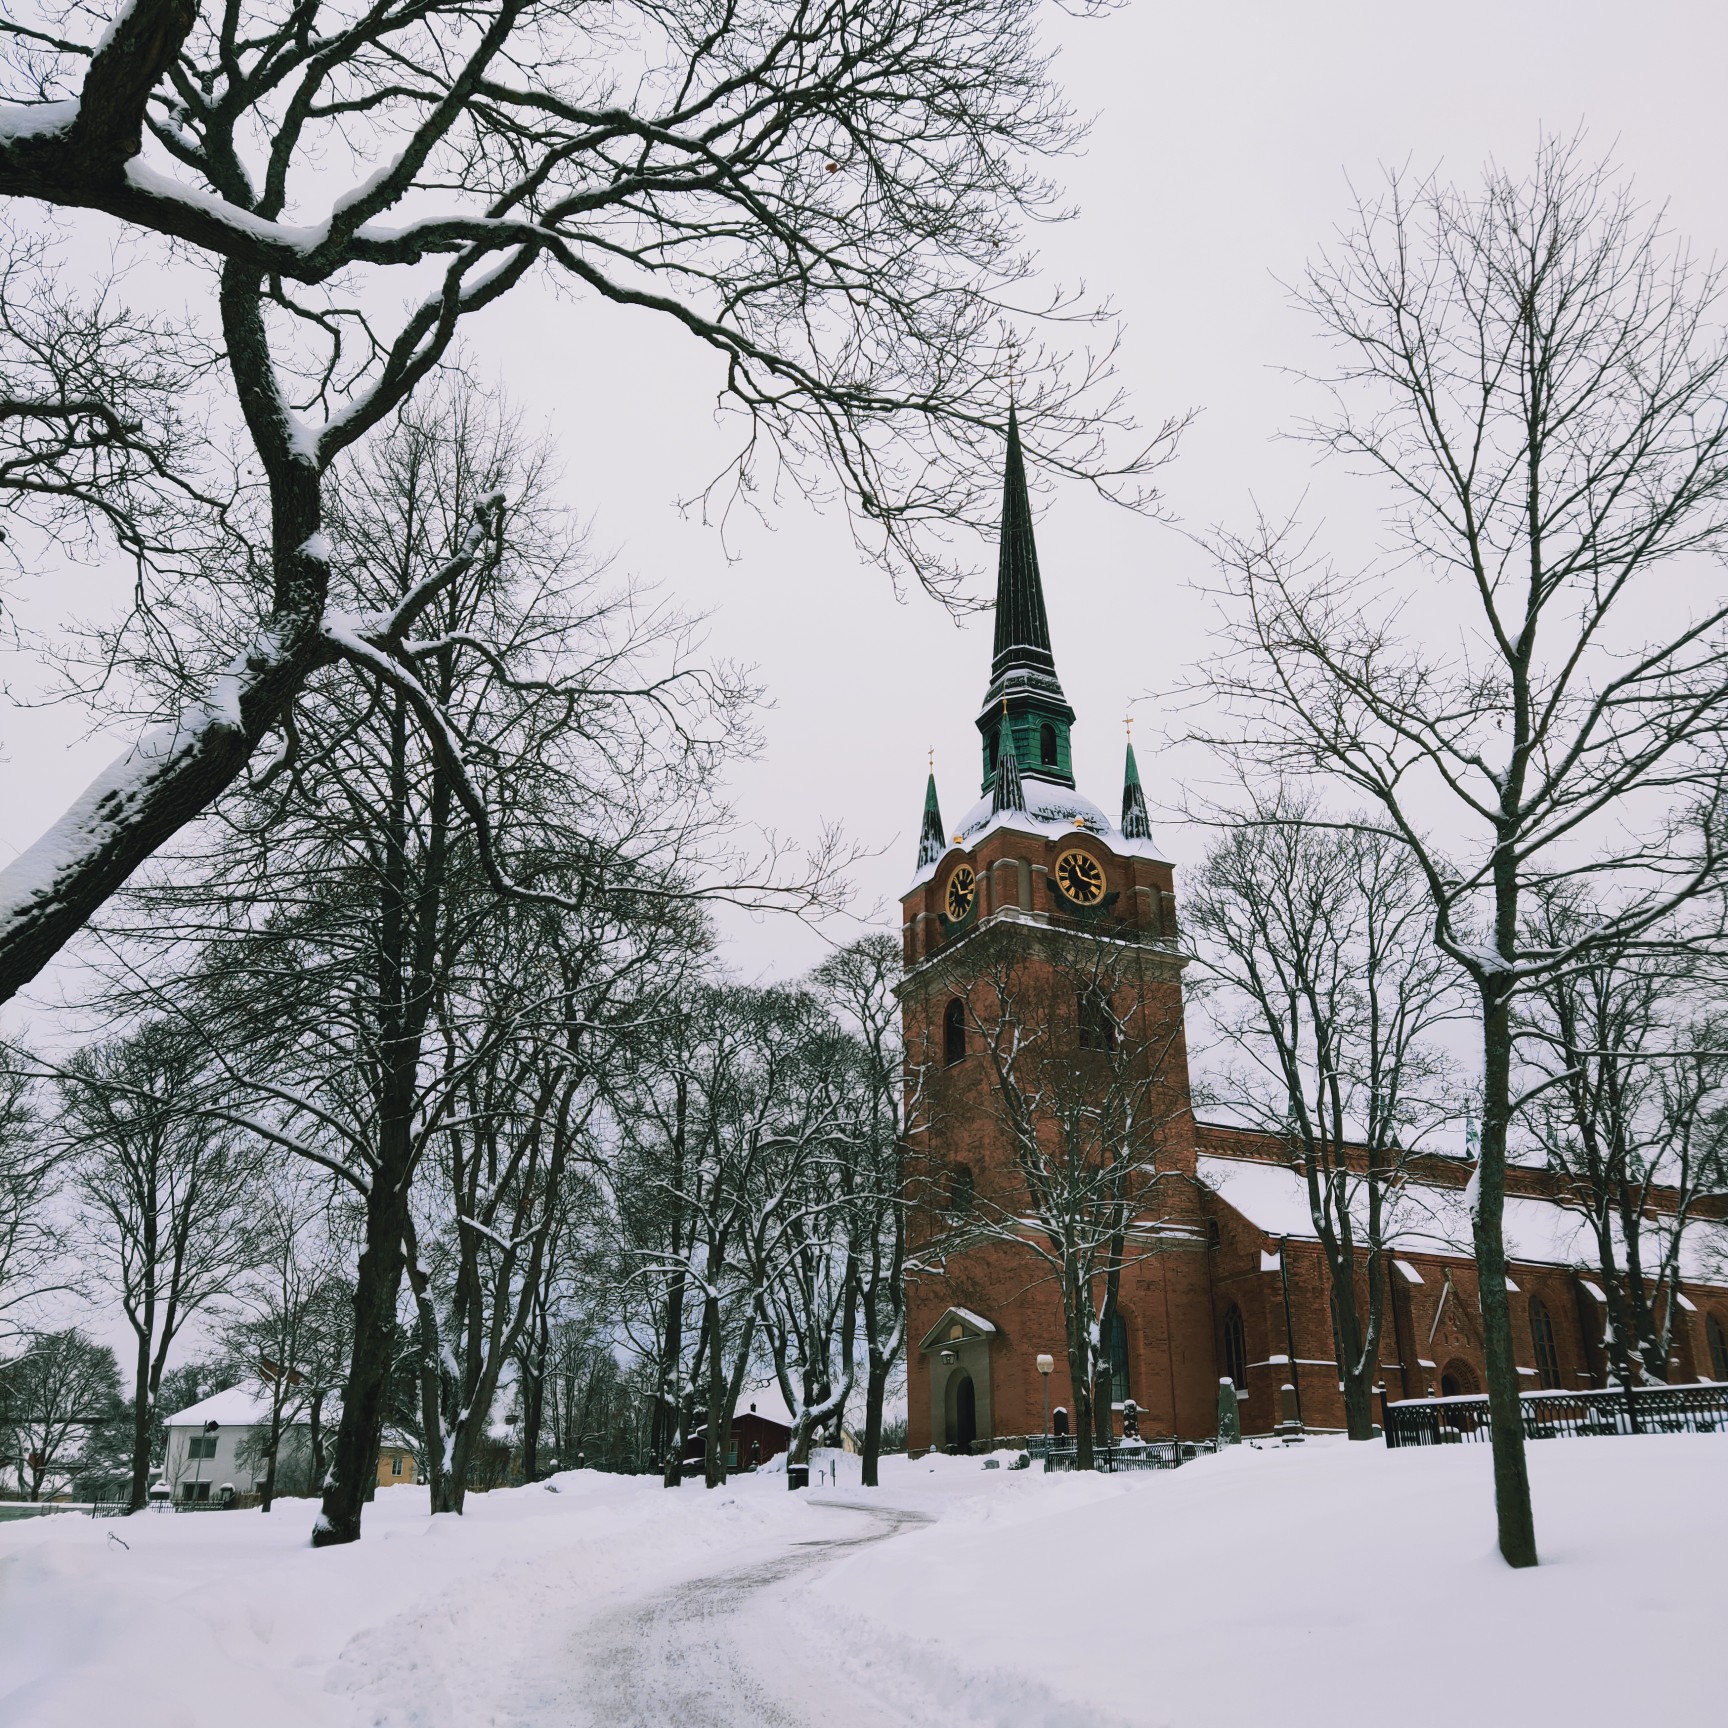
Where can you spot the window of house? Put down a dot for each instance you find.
(201, 1446)
(953, 1031)
(1236, 1348)
(1542, 1336)
(395, 1463)
(1047, 746)
(1117, 1343)
(1718, 1336)
(1097, 1023)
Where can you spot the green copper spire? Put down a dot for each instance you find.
(1136, 824)
(932, 838)
(1023, 669)
(1006, 792)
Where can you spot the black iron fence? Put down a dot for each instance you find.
(1562, 1415)
(1120, 1454)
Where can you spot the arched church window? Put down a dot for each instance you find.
(1542, 1337)
(1236, 1348)
(1097, 1023)
(953, 1032)
(1047, 746)
(1718, 1336)
(1116, 1342)
(960, 1188)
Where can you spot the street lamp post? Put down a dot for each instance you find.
(1045, 1364)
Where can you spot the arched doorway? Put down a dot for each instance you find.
(1458, 1380)
(962, 1411)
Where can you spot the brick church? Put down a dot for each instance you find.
(1048, 1098)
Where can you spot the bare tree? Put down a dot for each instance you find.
(165, 1192)
(341, 927)
(1325, 983)
(1624, 1064)
(804, 1246)
(282, 1303)
(64, 1385)
(30, 1177)
(859, 982)
(1531, 374)
(827, 198)
(1076, 1037)
(94, 422)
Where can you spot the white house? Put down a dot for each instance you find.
(216, 1448)
(214, 1445)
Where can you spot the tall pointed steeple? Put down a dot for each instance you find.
(1136, 824)
(1006, 792)
(1022, 629)
(1023, 669)
(932, 839)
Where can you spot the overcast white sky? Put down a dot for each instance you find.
(1224, 138)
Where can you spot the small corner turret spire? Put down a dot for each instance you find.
(1006, 792)
(1136, 824)
(932, 841)
(1023, 668)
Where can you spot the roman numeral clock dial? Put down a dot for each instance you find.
(961, 892)
(1080, 877)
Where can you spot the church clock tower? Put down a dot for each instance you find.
(1036, 882)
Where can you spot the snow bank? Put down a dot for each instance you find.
(214, 1619)
(1239, 1589)
(1245, 1589)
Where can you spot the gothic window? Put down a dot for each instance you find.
(1236, 1348)
(960, 1188)
(1047, 746)
(953, 1031)
(1542, 1336)
(1718, 1336)
(1117, 1349)
(1097, 1023)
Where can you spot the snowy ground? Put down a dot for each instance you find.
(1238, 1590)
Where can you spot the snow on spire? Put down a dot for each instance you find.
(932, 842)
(1006, 793)
(1136, 824)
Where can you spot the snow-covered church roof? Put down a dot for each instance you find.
(1423, 1217)
(1052, 812)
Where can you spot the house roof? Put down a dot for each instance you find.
(244, 1406)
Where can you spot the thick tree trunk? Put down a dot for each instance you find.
(377, 1287)
(714, 1441)
(875, 1391)
(275, 1452)
(141, 1402)
(1517, 1525)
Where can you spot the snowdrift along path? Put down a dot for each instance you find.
(1310, 1586)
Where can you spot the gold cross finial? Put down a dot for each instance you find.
(932, 759)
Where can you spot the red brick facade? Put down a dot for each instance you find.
(1216, 1289)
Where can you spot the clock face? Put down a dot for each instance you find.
(961, 892)
(1080, 877)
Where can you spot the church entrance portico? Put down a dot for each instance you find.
(957, 1352)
